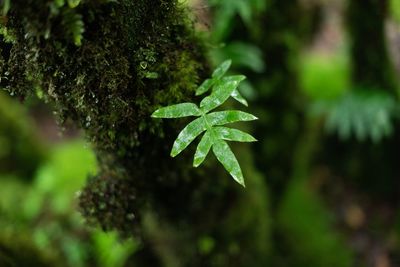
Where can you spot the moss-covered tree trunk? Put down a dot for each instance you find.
(279, 99)
(372, 71)
(366, 171)
(133, 57)
(371, 66)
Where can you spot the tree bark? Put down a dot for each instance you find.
(371, 65)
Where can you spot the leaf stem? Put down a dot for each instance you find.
(209, 127)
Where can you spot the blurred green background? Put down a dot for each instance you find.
(39, 219)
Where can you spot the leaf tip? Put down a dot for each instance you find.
(241, 182)
(173, 153)
(252, 138)
(156, 114)
(241, 78)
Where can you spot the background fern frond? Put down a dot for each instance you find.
(363, 114)
(74, 26)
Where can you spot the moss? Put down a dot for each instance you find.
(120, 73)
(111, 199)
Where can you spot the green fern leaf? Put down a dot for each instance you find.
(222, 69)
(236, 95)
(74, 26)
(364, 113)
(59, 3)
(203, 149)
(187, 135)
(210, 123)
(73, 3)
(229, 116)
(219, 96)
(217, 80)
(225, 155)
(177, 111)
(205, 86)
(229, 134)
